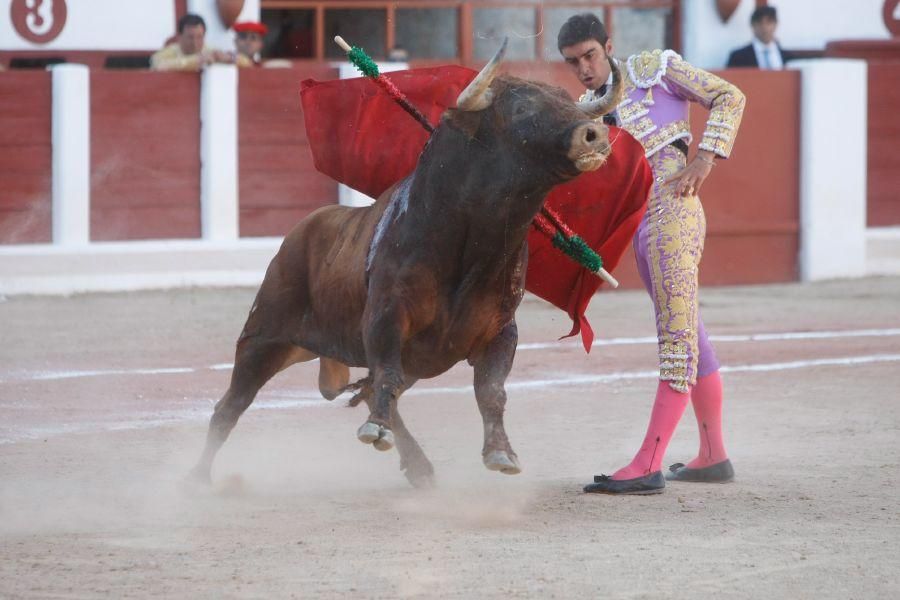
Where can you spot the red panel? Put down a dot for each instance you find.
(29, 226)
(145, 155)
(883, 158)
(278, 182)
(145, 222)
(22, 190)
(753, 220)
(25, 157)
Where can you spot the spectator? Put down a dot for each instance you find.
(248, 43)
(188, 52)
(763, 52)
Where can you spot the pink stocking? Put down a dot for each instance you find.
(706, 397)
(667, 411)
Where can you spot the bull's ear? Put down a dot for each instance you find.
(465, 121)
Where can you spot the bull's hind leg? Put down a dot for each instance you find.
(491, 370)
(255, 362)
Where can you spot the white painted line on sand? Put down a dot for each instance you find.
(308, 398)
(754, 337)
(46, 376)
(750, 337)
(576, 380)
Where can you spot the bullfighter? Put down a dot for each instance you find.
(668, 244)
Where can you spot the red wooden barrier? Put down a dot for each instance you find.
(883, 155)
(277, 180)
(25, 157)
(145, 163)
(145, 155)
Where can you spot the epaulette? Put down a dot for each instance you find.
(647, 68)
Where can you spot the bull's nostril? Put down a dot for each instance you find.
(590, 135)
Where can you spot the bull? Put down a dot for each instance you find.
(429, 275)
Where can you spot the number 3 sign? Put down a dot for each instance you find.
(38, 21)
(891, 15)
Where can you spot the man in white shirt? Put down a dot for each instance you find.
(763, 52)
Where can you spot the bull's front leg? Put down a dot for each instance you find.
(491, 371)
(384, 340)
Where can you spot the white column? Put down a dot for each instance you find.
(71, 139)
(347, 196)
(218, 153)
(833, 139)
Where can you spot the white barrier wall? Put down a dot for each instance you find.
(833, 143)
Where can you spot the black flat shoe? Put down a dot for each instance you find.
(654, 483)
(721, 472)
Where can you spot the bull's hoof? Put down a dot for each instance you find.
(368, 433)
(418, 471)
(421, 481)
(386, 441)
(379, 436)
(498, 460)
(199, 475)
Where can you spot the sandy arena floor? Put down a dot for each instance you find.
(104, 401)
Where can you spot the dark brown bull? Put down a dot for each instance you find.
(429, 275)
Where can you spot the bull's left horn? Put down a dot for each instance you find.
(478, 95)
(608, 101)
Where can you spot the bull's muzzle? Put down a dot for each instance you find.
(589, 146)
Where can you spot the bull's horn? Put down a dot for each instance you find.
(608, 101)
(477, 95)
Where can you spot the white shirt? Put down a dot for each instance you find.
(767, 55)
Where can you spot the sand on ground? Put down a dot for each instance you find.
(104, 401)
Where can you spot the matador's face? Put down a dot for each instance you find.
(588, 61)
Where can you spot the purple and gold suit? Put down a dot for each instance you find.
(669, 241)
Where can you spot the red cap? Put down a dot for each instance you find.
(250, 27)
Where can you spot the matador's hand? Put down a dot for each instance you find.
(689, 179)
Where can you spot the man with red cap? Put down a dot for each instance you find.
(248, 42)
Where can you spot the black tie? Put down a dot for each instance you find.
(609, 118)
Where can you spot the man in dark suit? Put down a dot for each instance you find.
(763, 52)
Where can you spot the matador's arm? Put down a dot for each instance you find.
(724, 101)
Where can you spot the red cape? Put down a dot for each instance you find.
(360, 137)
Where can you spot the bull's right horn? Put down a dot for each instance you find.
(608, 101)
(478, 95)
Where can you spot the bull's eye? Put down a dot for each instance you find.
(520, 110)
